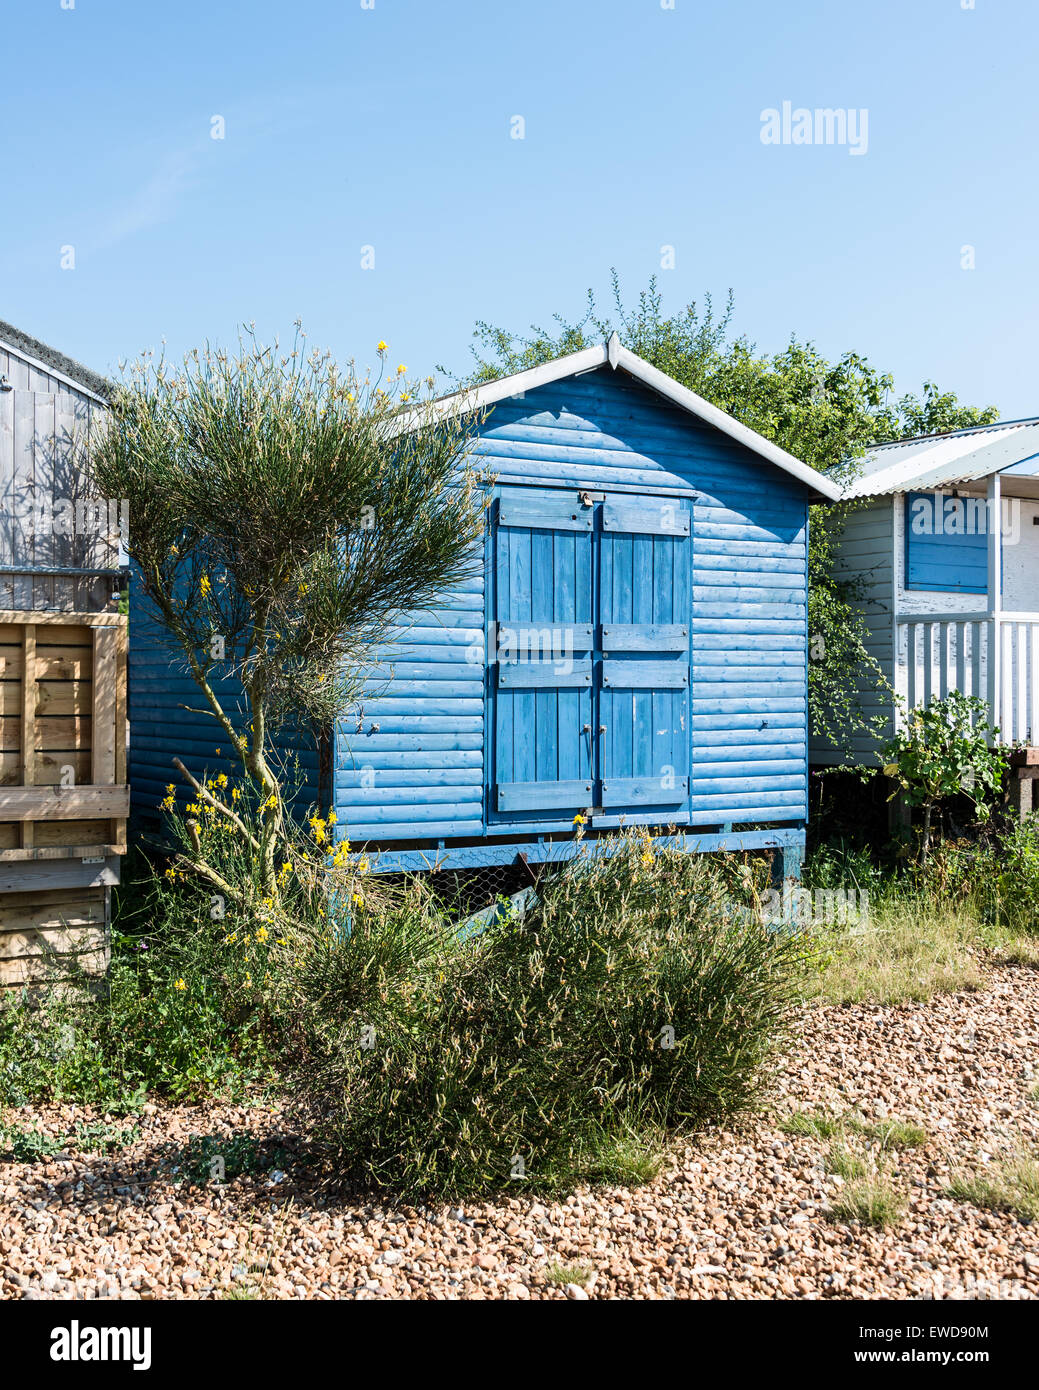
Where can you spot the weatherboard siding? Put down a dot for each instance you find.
(168, 719)
(43, 418)
(409, 756)
(866, 554)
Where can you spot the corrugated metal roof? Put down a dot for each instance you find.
(941, 460)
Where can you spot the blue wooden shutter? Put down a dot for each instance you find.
(644, 701)
(946, 543)
(542, 665)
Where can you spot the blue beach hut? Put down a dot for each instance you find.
(632, 650)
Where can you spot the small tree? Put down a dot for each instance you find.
(281, 512)
(943, 750)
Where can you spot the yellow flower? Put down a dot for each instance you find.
(363, 866)
(647, 859)
(401, 369)
(171, 874)
(357, 898)
(235, 794)
(383, 346)
(221, 781)
(578, 819)
(332, 818)
(205, 585)
(262, 934)
(318, 827)
(170, 788)
(179, 984)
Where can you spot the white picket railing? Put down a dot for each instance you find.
(939, 652)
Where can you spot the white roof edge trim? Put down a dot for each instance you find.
(619, 357)
(57, 374)
(696, 405)
(464, 402)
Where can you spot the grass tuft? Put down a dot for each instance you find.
(870, 1201)
(885, 1134)
(845, 1164)
(559, 1275)
(1011, 1185)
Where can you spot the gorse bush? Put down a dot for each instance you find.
(282, 510)
(187, 1013)
(200, 983)
(633, 997)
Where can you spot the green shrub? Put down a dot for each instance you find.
(945, 750)
(31, 1145)
(633, 998)
(187, 1012)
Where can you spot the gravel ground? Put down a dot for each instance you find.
(736, 1214)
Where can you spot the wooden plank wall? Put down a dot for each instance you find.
(45, 424)
(865, 556)
(46, 935)
(63, 793)
(63, 788)
(59, 847)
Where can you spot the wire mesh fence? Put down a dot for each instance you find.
(465, 891)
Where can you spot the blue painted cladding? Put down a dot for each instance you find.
(168, 719)
(937, 557)
(409, 758)
(429, 770)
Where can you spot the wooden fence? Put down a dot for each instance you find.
(63, 793)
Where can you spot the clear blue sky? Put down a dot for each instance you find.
(390, 127)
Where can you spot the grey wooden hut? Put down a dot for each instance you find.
(63, 794)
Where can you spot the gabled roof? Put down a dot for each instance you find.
(40, 355)
(941, 460)
(620, 359)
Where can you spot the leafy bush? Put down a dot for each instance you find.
(635, 996)
(942, 751)
(187, 1012)
(31, 1145)
(1018, 876)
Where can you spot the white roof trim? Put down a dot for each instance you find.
(658, 381)
(56, 372)
(619, 357)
